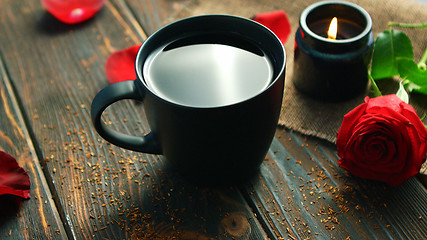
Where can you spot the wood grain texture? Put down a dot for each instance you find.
(303, 194)
(104, 192)
(150, 19)
(37, 217)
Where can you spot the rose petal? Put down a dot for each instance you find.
(13, 179)
(120, 65)
(349, 122)
(374, 132)
(387, 101)
(277, 22)
(376, 148)
(417, 129)
(73, 11)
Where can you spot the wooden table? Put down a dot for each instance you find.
(84, 188)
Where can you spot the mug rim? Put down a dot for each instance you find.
(139, 61)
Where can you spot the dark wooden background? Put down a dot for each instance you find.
(84, 188)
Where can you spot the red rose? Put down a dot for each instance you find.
(382, 139)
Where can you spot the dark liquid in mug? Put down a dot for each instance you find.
(207, 74)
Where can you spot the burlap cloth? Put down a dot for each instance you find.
(306, 115)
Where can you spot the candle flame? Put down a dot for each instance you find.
(333, 28)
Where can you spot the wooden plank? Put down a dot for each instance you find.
(147, 13)
(37, 217)
(304, 194)
(104, 192)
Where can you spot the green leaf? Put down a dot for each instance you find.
(409, 70)
(423, 61)
(402, 94)
(411, 86)
(422, 89)
(388, 46)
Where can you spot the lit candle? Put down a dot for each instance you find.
(333, 45)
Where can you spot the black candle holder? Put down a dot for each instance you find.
(333, 69)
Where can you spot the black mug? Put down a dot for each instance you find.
(215, 144)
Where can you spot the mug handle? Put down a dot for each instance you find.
(106, 97)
